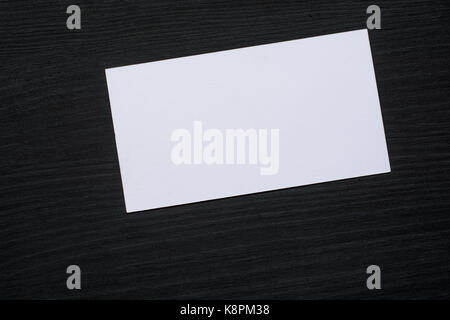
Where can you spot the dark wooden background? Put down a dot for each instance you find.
(61, 200)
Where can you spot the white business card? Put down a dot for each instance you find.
(247, 120)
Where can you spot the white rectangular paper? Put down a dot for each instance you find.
(319, 93)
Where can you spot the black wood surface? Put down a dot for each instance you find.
(61, 199)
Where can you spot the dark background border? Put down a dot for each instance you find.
(61, 199)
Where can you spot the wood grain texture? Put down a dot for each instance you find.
(61, 198)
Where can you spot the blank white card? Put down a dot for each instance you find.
(247, 120)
